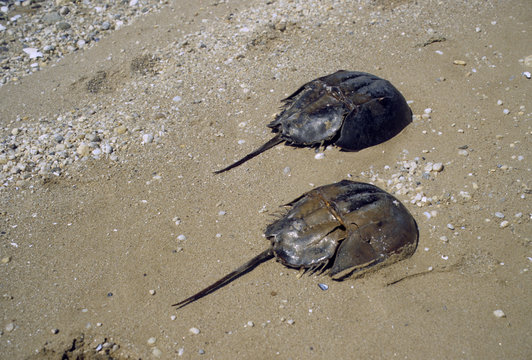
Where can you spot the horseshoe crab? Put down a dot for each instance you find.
(341, 229)
(350, 109)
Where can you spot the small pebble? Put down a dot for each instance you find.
(181, 237)
(437, 167)
(83, 149)
(319, 156)
(463, 152)
(92, 137)
(500, 215)
(194, 330)
(499, 313)
(147, 138)
(6, 259)
(528, 61)
(55, 331)
(119, 130)
(459, 62)
(152, 292)
(156, 352)
(107, 149)
(450, 226)
(10, 327)
(250, 324)
(324, 287)
(504, 224)
(152, 341)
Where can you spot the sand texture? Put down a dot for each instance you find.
(110, 211)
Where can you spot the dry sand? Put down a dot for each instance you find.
(95, 251)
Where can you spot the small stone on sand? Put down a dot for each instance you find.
(499, 313)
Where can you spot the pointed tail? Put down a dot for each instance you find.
(274, 141)
(251, 264)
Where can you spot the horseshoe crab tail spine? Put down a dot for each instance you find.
(251, 264)
(274, 141)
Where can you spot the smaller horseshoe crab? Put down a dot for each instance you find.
(350, 109)
(342, 229)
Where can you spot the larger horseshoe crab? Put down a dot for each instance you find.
(350, 109)
(341, 229)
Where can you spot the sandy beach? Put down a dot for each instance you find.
(111, 213)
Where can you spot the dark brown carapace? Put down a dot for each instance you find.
(342, 229)
(352, 110)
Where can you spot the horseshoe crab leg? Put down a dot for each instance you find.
(273, 141)
(251, 264)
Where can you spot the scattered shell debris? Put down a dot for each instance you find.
(65, 27)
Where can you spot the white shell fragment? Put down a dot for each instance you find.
(499, 313)
(33, 53)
